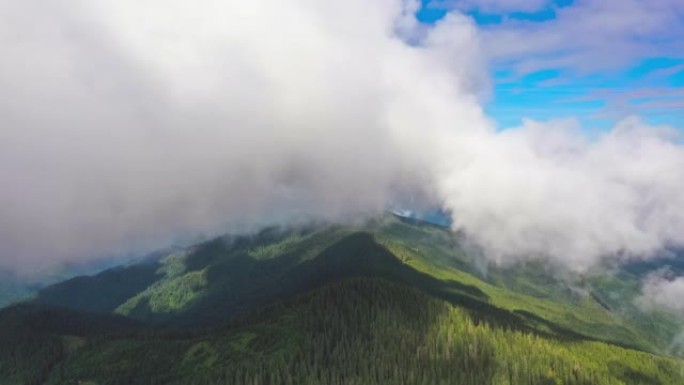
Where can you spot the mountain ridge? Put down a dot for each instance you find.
(218, 289)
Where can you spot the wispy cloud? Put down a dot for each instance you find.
(590, 35)
(662, 291)
(666, 72)
(647, 101)
(493, 6)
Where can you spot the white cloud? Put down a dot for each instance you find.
(589, 36)
(660, 292)
(546, 191)
(496, 6)
(126, 123)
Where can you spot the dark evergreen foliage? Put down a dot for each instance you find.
(392, 302)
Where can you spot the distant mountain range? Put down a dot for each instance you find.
(13, 288)
(393, 301)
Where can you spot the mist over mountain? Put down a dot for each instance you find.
(129, 126)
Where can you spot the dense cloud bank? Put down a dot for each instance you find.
(127, 123)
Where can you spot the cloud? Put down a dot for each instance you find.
(495, 6)
(589, 36)
(633, 100)
(544, 190)
(661, 292)
(665, 72)
(126, 124)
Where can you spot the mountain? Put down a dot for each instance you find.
(12, 288)
(393, 301)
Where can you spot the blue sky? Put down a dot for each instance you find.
(579, 59)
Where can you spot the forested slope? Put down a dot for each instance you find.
(391, 301)
(359, 331)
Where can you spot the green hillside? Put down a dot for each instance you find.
(391, 301)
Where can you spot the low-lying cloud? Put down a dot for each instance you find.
(660, 292)
(125, 124)
(545, 190)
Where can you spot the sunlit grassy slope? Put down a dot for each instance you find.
(535, 292)
(390, 301)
